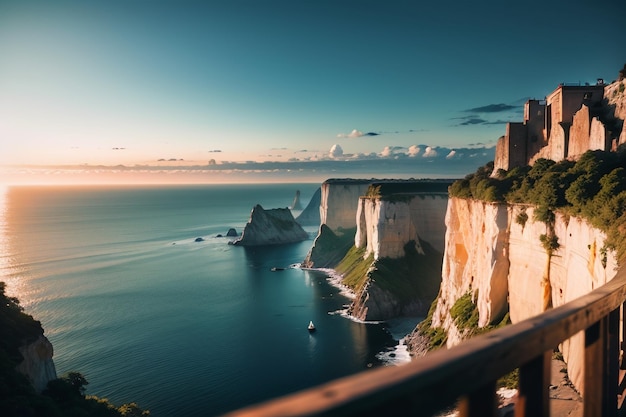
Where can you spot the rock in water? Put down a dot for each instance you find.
(296, 202)
(232, 232)
(271, 227)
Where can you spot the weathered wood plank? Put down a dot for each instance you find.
(441, 377)
(534, 383)
(481, 402)
(612, 365)
(594, 370)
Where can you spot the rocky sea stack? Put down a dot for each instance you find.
(271, 227)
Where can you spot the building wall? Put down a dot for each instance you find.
(579, 135)
(598, 136)
(518, 138)
(501, 160)
(573, 97)
(534, 118)
(560, 127)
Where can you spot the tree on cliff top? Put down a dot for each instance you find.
(594, 188)
(622, 73)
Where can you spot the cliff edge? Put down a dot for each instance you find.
(498, 263)
(387, 245)
(37, 364)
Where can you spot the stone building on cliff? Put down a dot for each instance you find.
(570, 121)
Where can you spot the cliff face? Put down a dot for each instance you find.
(505, 266)
(271, 227)
(385, 226)
(339, 202)
(37, 364)
(615, 95)
(403, 237)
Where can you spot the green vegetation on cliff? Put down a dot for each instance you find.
(414, 276)
(330, 248)
(64, 396)
(404, 190)
(464, 312)
(594, 188)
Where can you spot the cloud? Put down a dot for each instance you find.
(336, 151)
(429, 152)
(491, 108)
(387, 151)
(497, 122)
(440, 162)
(356, 134)
(414, 150)
(392, 150)
(473, 121)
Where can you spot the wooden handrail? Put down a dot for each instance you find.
(467, 373)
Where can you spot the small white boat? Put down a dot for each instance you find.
(311, 327)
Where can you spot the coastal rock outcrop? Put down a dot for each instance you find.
(296, 205)
(310, 216)
(400, 231)
(499, 259)
(386, 237)
(386, 225)
(339, 200)
(37, 364)
(271, 227)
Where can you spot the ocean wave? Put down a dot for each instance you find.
(396, 355)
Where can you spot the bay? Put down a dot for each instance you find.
(131, 300)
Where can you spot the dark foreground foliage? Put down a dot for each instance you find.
(594, 188)
(64, 397)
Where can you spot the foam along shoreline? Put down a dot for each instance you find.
(398, 328)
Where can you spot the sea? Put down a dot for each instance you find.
(137, 290)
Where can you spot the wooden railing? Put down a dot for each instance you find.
(466, 375)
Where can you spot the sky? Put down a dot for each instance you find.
(322, 86)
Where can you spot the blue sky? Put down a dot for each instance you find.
(154, 82)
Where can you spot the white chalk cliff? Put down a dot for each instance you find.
(385, 226)
(339, 202)
(504, 265)
(37, 364)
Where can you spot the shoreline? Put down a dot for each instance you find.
(397, 355)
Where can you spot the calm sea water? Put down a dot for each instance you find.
(183, 328)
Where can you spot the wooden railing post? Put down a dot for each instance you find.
(534, 383)
(480, 402)
(623, 341)
(594, 369)
(612, 364)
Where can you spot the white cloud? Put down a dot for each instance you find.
(336, 151)
(414, 150)
(388, 151)
(451, 154)
(429, 152)
(354, 134)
